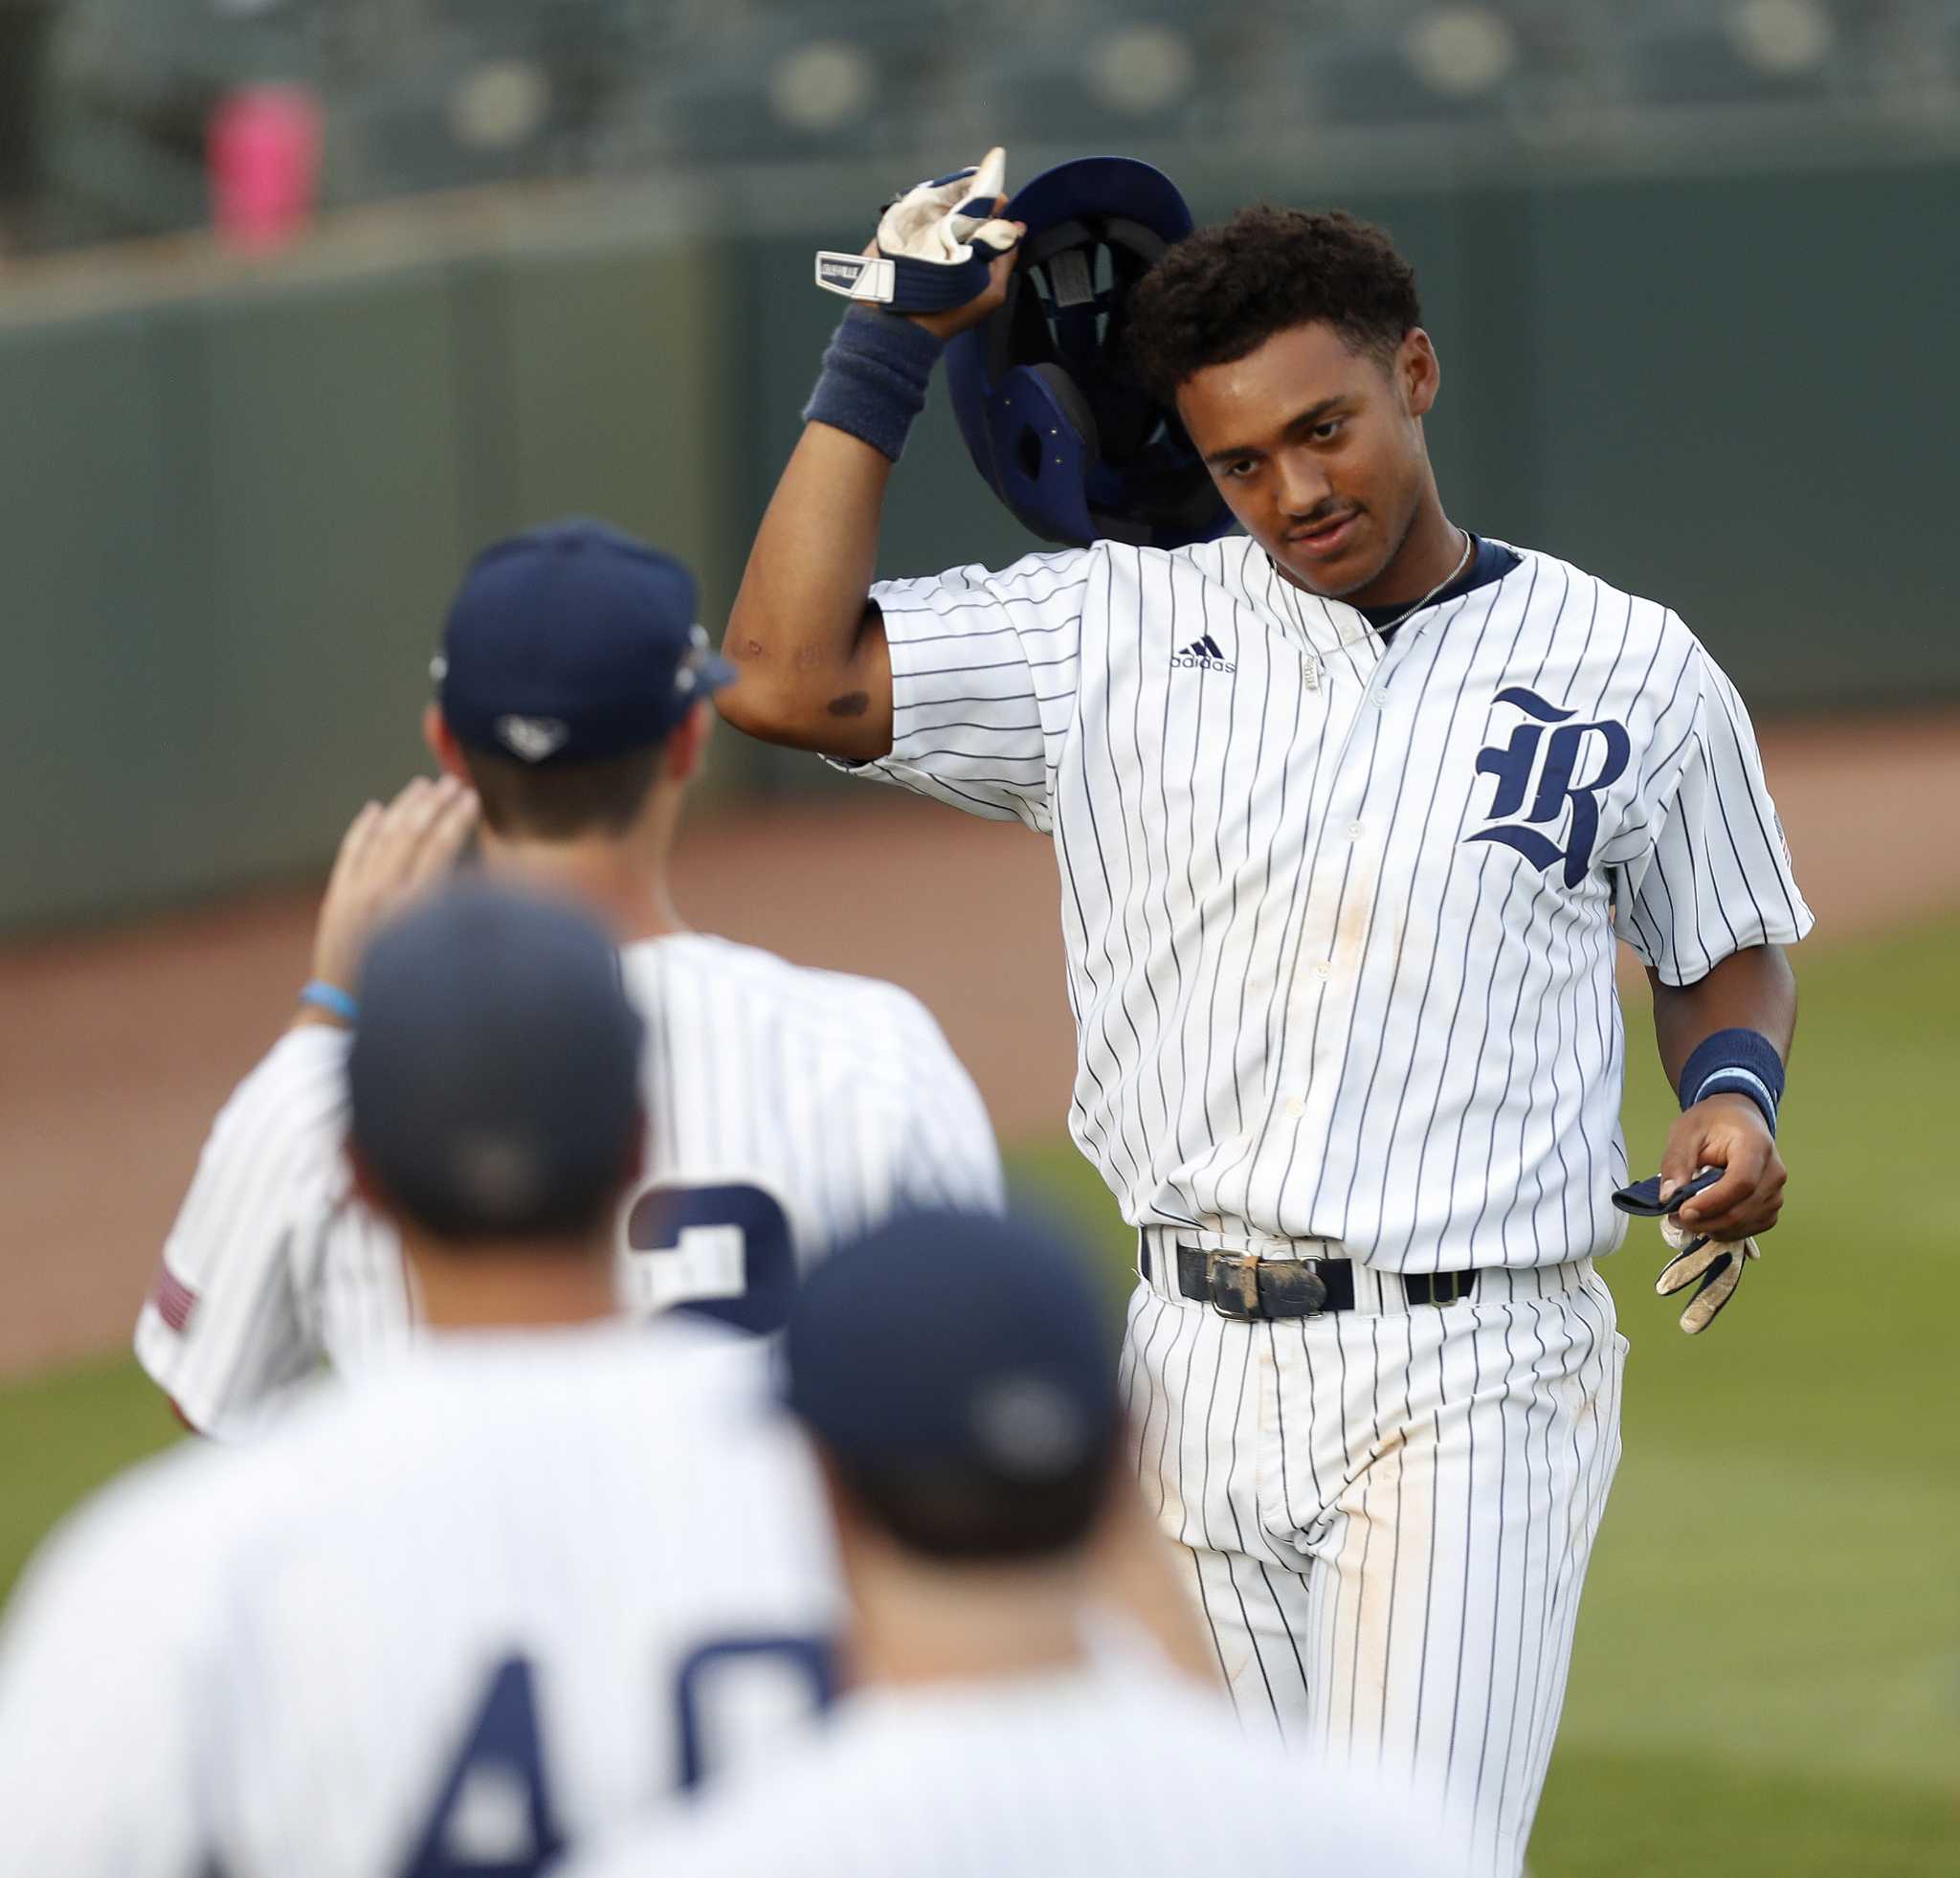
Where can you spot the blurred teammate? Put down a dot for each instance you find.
(790, 1107)
(969, 1438)
(551, 1567)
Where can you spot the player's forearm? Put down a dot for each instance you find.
(813, 671)
(1754, 989)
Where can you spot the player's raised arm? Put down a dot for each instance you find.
(808, 643)
(228, 1323)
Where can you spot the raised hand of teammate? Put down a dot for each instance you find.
(387, 856)
(1727, 1131)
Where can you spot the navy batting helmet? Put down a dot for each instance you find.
(1059, 430)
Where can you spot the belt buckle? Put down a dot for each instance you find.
(1294, 1287)
(1233, 1282)
(1448, 1287)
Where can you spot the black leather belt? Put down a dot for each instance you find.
(1236, 1284)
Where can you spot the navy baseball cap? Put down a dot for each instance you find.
(494, 1080)
(570, 642)
(957, 1341)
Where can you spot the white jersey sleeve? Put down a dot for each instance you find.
(229, 1321)
(1716, 877)
(984, 680)
(98, 1764)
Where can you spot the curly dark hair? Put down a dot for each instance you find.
(1224, 291)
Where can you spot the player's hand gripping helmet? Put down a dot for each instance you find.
(1059, 430)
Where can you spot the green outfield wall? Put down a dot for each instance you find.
(232, 499)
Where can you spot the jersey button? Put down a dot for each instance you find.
(1356, 830)
(1323, 968)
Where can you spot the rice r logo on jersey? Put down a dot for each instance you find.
(1203, 654)
(1604, 746)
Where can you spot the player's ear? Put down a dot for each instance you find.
(442, 744)
(687, 744)
(1419, 371)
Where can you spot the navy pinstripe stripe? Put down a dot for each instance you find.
(1395, 959)
(1371, 1462)
(1143, 901)
(1428, 1128)
(1278, 1595)
(1471, 651)
(1278, 1050)
(1750, 764)
(1559, 1581)
(1498, 1582)
(1429, 1576)
(1515, 1680)
(1248, 1158)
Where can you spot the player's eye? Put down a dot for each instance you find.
(1326, 432)
(1237, 472)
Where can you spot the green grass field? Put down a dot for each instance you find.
(1767, 1675)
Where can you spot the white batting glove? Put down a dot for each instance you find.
(1717, 1264)
(935, 244)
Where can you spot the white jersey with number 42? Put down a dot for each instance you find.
(787, 1110)
(496, 1601)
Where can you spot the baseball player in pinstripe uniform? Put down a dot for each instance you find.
(790, 1107)
(1350, 810)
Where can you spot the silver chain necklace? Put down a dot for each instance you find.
(1463, 563)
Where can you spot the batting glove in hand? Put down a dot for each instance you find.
(935, 244)
(1716, 1262)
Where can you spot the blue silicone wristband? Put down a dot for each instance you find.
(875, 374)
(324, 997)
(1735, 1063)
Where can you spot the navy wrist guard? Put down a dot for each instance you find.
(1735, 1063)
(875, 374)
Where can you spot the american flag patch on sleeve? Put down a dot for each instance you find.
(173, 1299)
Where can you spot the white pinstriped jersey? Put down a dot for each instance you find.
(789, 1108)
(1101, 1774)
(505, 1599)
(1339, 916)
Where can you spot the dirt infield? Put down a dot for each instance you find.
(119, 1046)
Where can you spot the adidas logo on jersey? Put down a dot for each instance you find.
(1203, 654)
